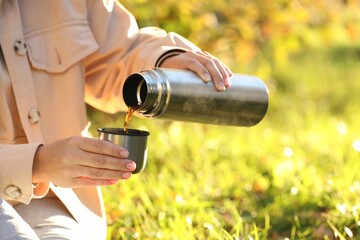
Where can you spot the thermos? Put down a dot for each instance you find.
(182, 95)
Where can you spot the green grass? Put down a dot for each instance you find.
(293, 176)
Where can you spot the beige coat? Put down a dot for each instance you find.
(57, 55)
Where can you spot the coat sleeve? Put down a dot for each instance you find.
(15, 177)
(123, 49)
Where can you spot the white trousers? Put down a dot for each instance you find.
(45, 218)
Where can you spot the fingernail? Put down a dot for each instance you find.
(126, 175)
(113, 181)
(221, 86)
(124, 154)
(131, 165)
(227, 82)
(207, 77)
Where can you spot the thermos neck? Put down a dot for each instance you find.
(147, 91)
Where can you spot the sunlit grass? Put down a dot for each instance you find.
(293, 176)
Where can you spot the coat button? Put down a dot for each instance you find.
(20, 47)
(13, 192)
(34, 116)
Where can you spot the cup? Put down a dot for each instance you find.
(135, 141)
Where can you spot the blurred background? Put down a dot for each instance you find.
(295, 175)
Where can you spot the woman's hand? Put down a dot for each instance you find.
(204, 64)
(81, 161)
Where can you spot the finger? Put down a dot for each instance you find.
(102, 147)
(225, 72)
(213, 70)
(89, 182)
(229, 73)
(104, 161)
(188, 61)
(101, 173)
(226, 68)
(227, 81)
(198, 68)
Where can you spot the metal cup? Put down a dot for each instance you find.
(135, 141)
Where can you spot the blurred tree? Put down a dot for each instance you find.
(243, 33)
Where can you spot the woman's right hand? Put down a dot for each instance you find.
(80, 162)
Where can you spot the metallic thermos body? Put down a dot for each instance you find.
(183, 96)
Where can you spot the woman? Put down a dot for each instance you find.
(55, 57)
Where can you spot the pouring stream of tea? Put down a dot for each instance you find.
(128, 116)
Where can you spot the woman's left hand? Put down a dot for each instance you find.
(204, 64)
